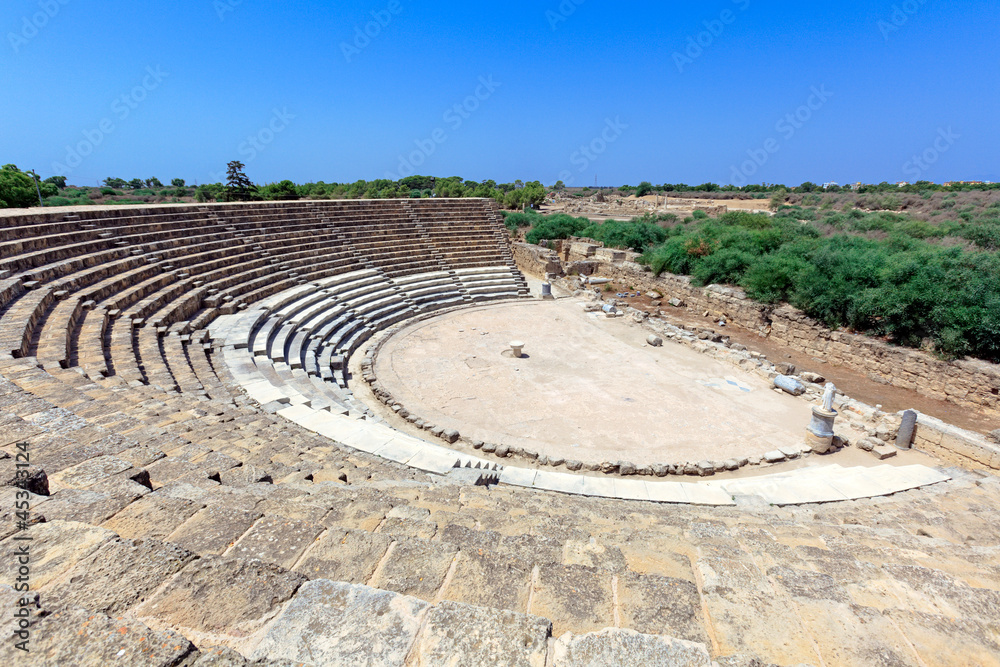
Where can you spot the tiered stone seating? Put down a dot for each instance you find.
(176, 520)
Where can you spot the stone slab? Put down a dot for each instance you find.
(153, 516)
(275, 539)
(67, 635)
(615, 646)
(558, 481)
(225, 599)
(214, 529)
(55, 548)
(518, 476)
(335, 623)
(461, 634)
(345, 555)
(120, 574)
(416, 567)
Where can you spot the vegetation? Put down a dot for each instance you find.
(900, 284)
(17, 189)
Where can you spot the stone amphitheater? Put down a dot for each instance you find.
(202, 468)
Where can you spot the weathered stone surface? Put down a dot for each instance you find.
(222, 598)
(814, 378)
(32, 478)
(626, 647)
(119, 575)
(55, 548)
(88, 473)
(416, 567)
(345, 555)
(573, 596)
(275, 539)
(66, 635)
(490, 580)
(883, 452)
(214, 529)
(460, 634)
(244, 475)
(221, 656)
(334, 623)
(153, 516)
(661, 605)
(91, 506)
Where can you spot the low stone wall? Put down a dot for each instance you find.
(954, 444)
(970, 383)
(536, 260)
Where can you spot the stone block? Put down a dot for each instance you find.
(335, 623)
(224, 598)
(456, 633)
(614, 646)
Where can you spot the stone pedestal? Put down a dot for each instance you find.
(547, 291)
(819, 433)
(516, 347)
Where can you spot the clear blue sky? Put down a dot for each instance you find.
(895, 77)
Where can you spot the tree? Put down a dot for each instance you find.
(644, 189)
(136, 183)
(117, 183)
(153, 182)
(17, 189)
(559, 186)
(238, 186)
(177, 183)
(58, 181)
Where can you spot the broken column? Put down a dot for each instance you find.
(819, 433)
(904, 437)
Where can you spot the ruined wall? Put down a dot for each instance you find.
(954, 444)
(964, 382)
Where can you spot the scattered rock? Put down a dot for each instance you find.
(706, 468)
(451, 435)
(814, 378)
(677, 303)
(661, 470)
(883, 452)
(489, 447)
(732, 464)
(994, 436)
(654, 341)
(574, 465)
(775, 457)
(607, 467)
(738, 348)
(868, 444)
(502, 451)
(626, 468)
(477, 444)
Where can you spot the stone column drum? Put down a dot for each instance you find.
(819, 433)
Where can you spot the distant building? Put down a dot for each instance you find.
(827, 186)
(902, 184)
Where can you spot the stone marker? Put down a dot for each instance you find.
(819, 433)
(516, 348)
(654, 341)
(904, 438)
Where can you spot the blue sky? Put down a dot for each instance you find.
(723, 91)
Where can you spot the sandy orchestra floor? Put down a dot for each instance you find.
(589, 388)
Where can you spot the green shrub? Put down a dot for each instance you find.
(634, 235)
(558, 226)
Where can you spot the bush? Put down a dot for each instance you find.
(17, 189)
(514, 221)
(635, 235)
(558, 226)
